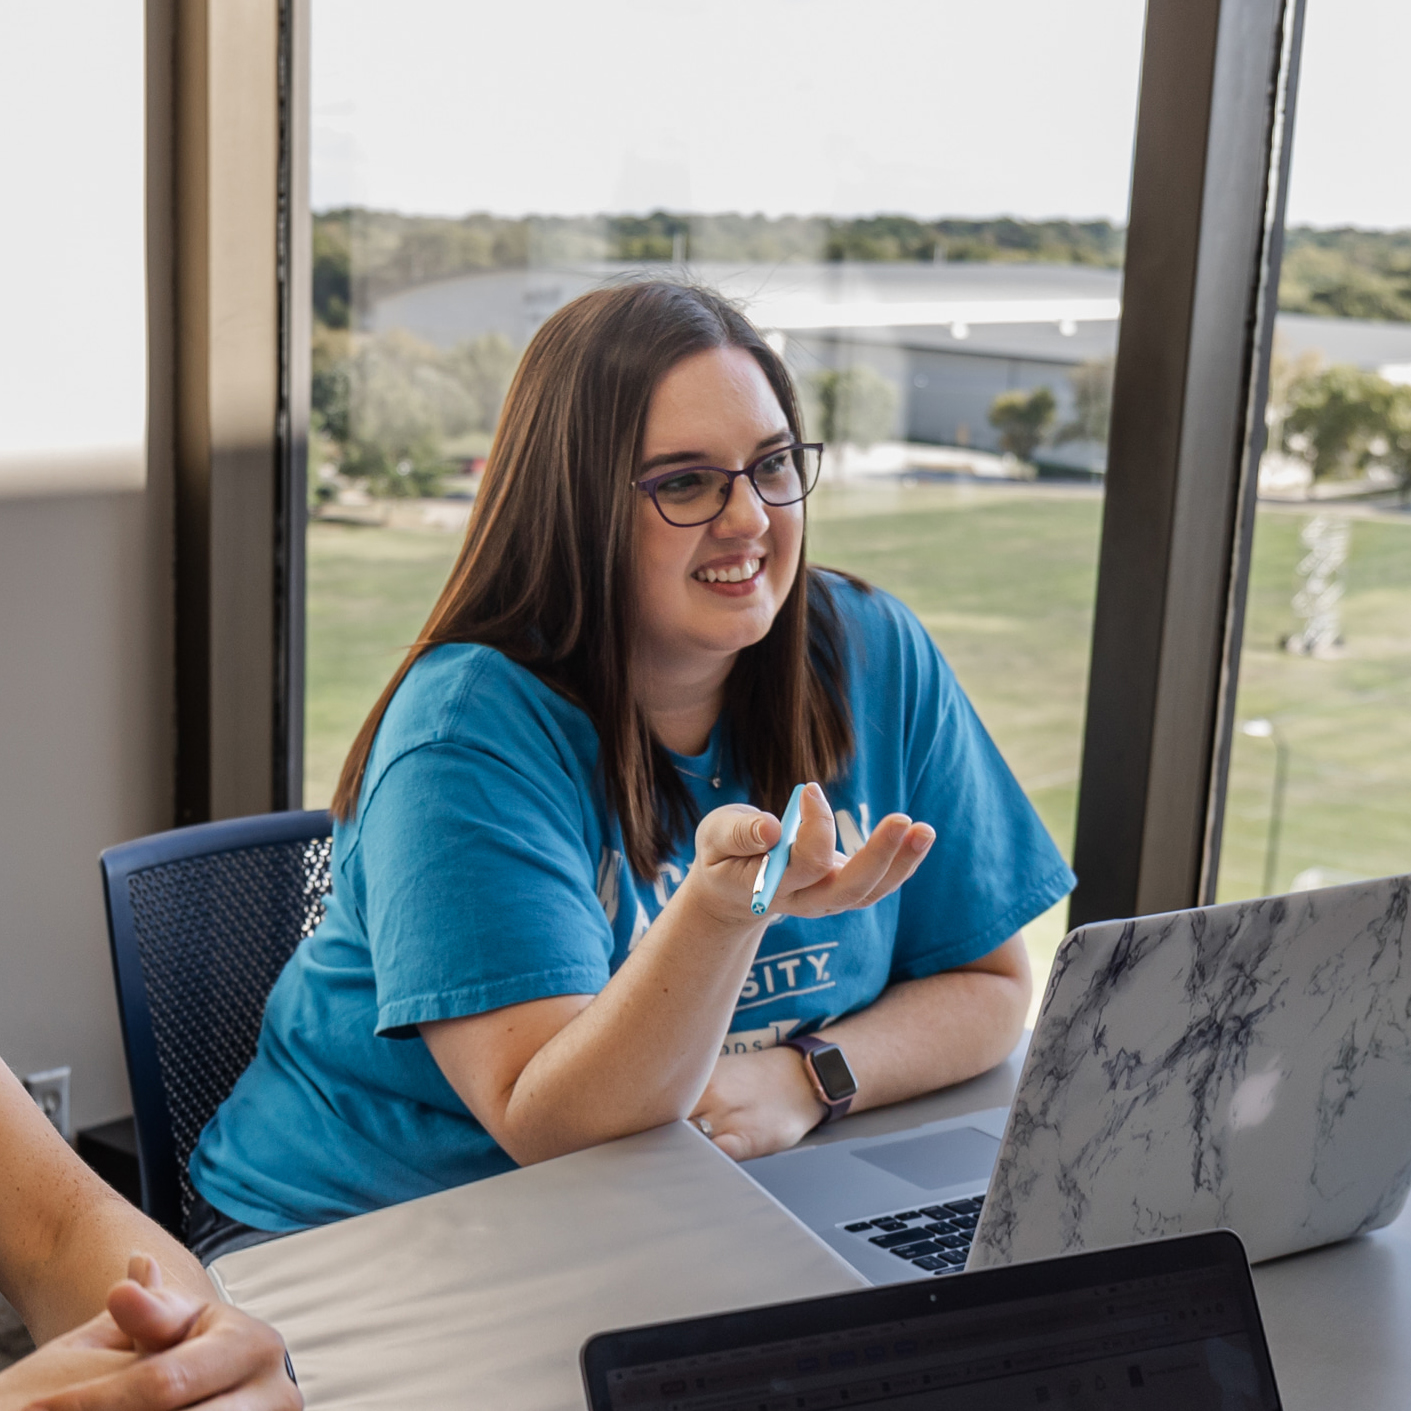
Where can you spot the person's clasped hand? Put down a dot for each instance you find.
(155, 1350)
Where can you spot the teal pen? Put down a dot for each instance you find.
(776, 860)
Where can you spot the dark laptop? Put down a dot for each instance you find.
(1159, 1326)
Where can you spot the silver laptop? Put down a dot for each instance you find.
(1245, 1066)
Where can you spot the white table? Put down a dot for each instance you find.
(482, 1296)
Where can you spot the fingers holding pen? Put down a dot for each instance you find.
(729, 843)
(804, 853)
(735, 831)
(817, 879)
(814, 854)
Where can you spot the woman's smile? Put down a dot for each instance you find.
(733, 577)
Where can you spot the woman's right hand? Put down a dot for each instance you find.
(819, 881)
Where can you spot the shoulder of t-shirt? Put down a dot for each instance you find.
(467, 694)
(882, 636)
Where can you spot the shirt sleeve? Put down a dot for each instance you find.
(993, 866)
(479, 891)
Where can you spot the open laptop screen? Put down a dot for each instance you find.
(1167, 1324)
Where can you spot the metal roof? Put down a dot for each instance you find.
(1063, 314)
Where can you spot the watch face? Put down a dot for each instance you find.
(834, 1075)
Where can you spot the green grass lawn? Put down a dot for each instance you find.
(369, 592)
(1346, 721)
(1004, 577)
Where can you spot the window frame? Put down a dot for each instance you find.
(295, 275)
(1204, 243)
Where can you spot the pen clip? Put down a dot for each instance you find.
(759, 879)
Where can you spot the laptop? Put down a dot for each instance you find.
(1164, 1326)
(1246, 1065)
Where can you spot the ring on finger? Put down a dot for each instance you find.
(703, 1125)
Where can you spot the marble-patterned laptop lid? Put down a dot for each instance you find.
(1245, 1065)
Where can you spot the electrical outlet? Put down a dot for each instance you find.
(50, 1090)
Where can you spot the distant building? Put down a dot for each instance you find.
(949, 337)
(1379, 347)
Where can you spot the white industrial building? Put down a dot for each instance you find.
(949, 337)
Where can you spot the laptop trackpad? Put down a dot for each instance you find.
(939, 1159)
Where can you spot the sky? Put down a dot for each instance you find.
(924, 107)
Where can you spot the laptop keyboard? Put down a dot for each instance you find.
(935, 1238)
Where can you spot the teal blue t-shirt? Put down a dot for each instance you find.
(482, 870)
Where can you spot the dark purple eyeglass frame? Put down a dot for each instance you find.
(649, 485)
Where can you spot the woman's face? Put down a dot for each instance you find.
(714, 408)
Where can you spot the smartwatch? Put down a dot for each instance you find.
(831, 1075)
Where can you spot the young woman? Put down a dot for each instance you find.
(540, 935)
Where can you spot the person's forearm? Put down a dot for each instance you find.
(642, 1051)
(89, 1253)
(67, 1236)
(921, 1035)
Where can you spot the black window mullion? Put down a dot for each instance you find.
(1187, 400)
(295, 332)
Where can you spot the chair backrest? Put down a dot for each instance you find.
(201, 922)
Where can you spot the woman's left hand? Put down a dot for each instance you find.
(757, 1103)
(820, 881)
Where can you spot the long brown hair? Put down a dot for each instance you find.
(546, 571)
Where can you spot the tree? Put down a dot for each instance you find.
(1022, 419)
(1347, 273)
(1343, 421)
(1286, 375)
(1335, 419)
(330, 392)
(385, 406)
(410, 468)
(1092, 402)
(484, 367)
(332, 273)
(854, 405)
(360, 255)
(1398, 437)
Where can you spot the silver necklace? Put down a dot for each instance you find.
(713, 778)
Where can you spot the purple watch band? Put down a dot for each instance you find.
(810, 1047)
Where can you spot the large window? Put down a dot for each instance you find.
(922, 204)
(1320, 778)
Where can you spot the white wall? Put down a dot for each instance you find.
(87, 739)
(85, 747)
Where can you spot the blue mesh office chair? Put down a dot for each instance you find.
(201, 922)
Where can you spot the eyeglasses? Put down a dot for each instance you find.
(698, 494)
